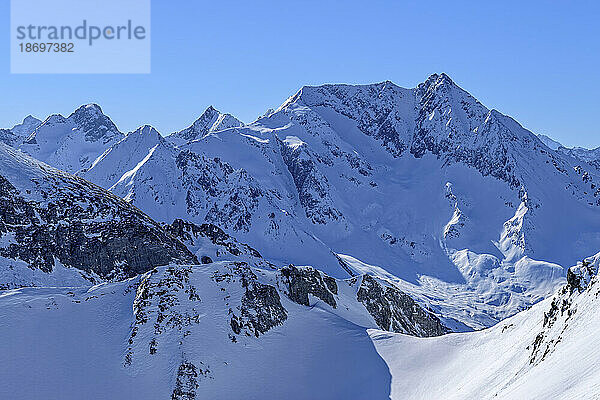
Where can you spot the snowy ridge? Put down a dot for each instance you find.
(187, 332)
(211, 120)
(57, 229)
(344, 169)
(548, 141)
(546, 352)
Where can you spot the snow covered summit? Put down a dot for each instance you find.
(72, 143)
(210, 121)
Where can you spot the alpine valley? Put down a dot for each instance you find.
(358, 242)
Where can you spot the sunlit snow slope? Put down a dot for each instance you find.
(548, 352)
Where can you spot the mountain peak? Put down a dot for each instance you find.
(210, 110)
(211, 120)
(90, 119)
(91, 110)
(436, 82)
(30, 119)
(147, 131)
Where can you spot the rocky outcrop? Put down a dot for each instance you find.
(582, 280)
(165, 304)
(186, 382)
(394, 310)
(56, 217)
(225, 196)
(189, 233)
(299, 283)
(260, 309)
(312, 186)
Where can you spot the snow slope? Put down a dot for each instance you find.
(72, 143)
(211, 120)
(427, 184)
(547, 352)
(218, 331)
(57, 229)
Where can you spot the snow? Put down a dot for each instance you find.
(73, 340)
(426, 189)
(548, 141)
(293, 142)
(345, 163)
(73, 143)
(496, 363)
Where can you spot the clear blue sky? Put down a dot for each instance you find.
(537, 61)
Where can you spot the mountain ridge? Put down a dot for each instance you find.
(318, 173)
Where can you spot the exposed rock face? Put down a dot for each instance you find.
(210, 121)
(189, 233)
(578, 278)
(228, 197)
(260, 308)
(186, 383)
(57, 217)
(9, 138)
(396, 311)
(94, 124)
(166, 301)
(312, 186)
(301, 282)
(210, 243)
(582, 280)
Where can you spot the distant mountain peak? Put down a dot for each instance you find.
(145, 130)
(90, 119)
(30, 119)
(211, 120)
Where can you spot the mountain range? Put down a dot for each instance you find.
(352, 216)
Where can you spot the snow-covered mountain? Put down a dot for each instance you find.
(72, 143)
(342, 171)
(589, 156)
(548, 141)
(19, 133)
(547, 352)
(325, 250)
(211, 120)
(60, 230)
(188, 332)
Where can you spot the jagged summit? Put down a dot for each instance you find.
(211, 120)
(89, 109)
(72, 143)
(282, 184)
(145, 130)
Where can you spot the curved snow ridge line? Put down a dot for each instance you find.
(194, 329)
(548, 351)
(129, 175)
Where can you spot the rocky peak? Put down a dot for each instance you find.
(25, 128)
(146, 131)
(49, 217)
(94, 124)
(211, 120)
(580, 276)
